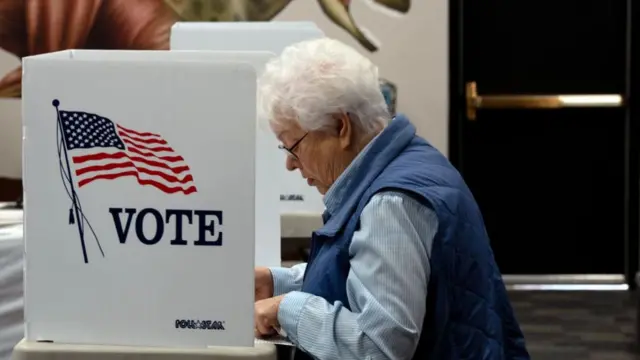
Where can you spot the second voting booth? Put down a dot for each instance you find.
(301, 206)
(147, 200)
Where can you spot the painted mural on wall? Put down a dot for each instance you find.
(390, 93)
(30, 27)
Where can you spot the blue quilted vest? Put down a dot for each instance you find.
(469, 315)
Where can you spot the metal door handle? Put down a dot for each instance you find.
(475, 101)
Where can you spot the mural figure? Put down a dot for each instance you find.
(30, 27)
(390, 93)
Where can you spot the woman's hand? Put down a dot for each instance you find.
(263, 283)
(266, 316)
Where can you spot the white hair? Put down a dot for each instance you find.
(313, 80)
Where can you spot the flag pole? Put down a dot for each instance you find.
(74, 198)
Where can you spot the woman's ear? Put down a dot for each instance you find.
(345, 130)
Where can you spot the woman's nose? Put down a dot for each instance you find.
(291, 163)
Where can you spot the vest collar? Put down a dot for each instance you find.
(382, 150)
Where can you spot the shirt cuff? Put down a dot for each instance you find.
(289, 312)
(282, 280)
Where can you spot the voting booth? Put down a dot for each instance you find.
(267, 229)
(301, 206)
(140, 199)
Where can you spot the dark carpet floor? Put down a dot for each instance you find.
(571, 325)
(577, 325)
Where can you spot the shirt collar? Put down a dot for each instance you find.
(355, 181)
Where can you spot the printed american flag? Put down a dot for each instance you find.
(104, 150)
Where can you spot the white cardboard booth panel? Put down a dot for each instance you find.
(271, 36)
(295, 195)
(140, 199)
(267, 217)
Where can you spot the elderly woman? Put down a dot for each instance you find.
(402, 268)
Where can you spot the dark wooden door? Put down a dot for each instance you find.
(553, 183)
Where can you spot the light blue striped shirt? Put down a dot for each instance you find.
(386, 285)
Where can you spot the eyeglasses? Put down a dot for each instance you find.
(289, 150)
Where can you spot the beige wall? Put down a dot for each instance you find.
(10, 126)
(413, 54)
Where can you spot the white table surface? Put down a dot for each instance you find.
(11, 288)
(50, 351)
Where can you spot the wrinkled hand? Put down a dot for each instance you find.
(263, 283)
(266, 316)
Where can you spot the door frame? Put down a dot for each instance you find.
(457, 121)
(633, 142)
